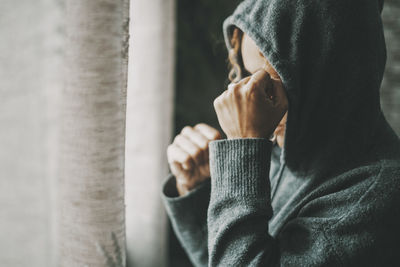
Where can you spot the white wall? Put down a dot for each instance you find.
(148, 128)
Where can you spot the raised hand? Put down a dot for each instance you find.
(253, 107)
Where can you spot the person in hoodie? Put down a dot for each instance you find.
(325, 190)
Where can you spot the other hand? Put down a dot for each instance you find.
(188, 156)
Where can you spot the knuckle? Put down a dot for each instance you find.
(237, 87)
(231, 90)
(186, 129)
(199, 125)
(236, 90)
(198, 128)
(204, 146)
(170, 154)
(216, 102)
(169, 148)
(216, 135)
(234, 86)
(177, 139)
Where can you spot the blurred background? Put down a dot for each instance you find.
(177, 67)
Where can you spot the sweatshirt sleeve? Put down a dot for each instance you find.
(240, 209)
(188, 216)
(240, 206)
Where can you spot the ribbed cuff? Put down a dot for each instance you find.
(240, 167)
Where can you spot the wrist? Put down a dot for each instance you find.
(249, 135)
(182, 189)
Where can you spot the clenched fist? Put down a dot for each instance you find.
(188, 156)
(251, 108)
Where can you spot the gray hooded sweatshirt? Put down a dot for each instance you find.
(331, 196)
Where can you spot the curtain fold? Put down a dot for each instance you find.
(92, 135)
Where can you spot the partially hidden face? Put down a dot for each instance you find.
(254, 60)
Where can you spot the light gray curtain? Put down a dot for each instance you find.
(31, 52)
(91, 218)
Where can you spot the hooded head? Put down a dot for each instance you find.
(330, 56)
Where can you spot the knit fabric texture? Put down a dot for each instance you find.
(230, 220)
(331, 196)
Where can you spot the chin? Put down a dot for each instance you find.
(280, 139)
(280, 135)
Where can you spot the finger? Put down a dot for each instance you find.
(176, 169)
(176, 154)
(231, 86)
(218, 105)
(199, 139)
(208, 131)
(259, 76)
(189, 147)
(260, 82)
(196, 137)
(244, 80)
(234, 88)
(179, 173)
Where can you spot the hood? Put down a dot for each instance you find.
(331, 57)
